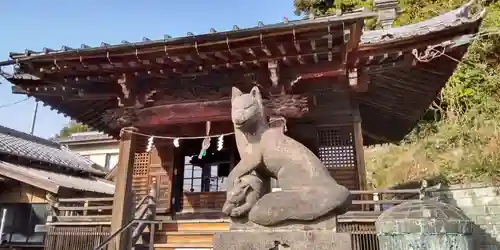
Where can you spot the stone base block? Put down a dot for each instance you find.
(327, 222)
(275, 240)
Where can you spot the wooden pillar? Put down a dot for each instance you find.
(358, 145)
(122, 202)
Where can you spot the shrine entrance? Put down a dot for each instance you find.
(201, 177)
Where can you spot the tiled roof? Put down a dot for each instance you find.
(52, 181)
(235, 33)
(385, 104)
(13, 142)
(85, 137)
(444, 21)
(453, 18)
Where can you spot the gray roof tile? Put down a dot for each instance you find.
(84, 137)
(88, 183)
(444, 21)
(13, 142)
(450, 19)
(167, 40)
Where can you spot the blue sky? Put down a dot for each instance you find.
(52, 23)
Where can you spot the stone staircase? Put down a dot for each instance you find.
(188, 234)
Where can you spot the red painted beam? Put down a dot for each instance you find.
(185, 113)
(289, 106)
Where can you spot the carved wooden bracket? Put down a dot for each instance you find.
(133, 97)
(134, 94)
(358, 80)
(274, 72)
(294, 106)
(128, 87)
(121, 117)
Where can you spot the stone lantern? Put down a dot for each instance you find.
(424, 225)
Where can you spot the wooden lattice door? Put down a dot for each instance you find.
(337, 150)
(160, 172)
(140, 181)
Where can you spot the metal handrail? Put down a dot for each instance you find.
(150, 196)
(132, 222)
(141, 202)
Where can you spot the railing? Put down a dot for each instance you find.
(371, 203)
(360, 222)
(143, 217)
(80, 211)
(127, 226)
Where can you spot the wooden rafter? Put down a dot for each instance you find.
(358, 80)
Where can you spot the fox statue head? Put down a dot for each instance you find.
(247, 110)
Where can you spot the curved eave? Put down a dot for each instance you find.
(399, 96)
(88, 112)
(456, 19)
(207, 39)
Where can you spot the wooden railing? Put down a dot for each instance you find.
(80, 211)
(371, 203)
(367, 204)
(81, 217)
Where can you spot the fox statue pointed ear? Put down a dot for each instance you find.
(255, 92)
(235, 92)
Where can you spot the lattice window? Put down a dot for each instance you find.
(336, 147)
(141, 164)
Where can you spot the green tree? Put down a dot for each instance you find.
(463, 145)
(412, 10)
(325, 7)
(71, 128)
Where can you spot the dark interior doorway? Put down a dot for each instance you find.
(205, 174)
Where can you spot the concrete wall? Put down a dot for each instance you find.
(97, 152)
(482, 205)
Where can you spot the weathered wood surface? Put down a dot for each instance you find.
(195, 232)
(291, 106)
(75, 237)
(193, 201)
(197, 203)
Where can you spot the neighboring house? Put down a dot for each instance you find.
(96, 146)
(31, 170)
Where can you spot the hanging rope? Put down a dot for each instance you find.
(192, 137)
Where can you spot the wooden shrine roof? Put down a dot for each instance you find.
(36, 149)
(48, 165)
(234, 37)
(196, 68)
(54, 181)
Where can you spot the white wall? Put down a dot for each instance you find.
(97, 152)
(95, 149)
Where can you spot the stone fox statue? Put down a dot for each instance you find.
(243, 195)
(308, 190)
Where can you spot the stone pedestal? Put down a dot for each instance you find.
(275, 240)
(318, 235)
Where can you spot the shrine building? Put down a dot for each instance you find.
(338, 87)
